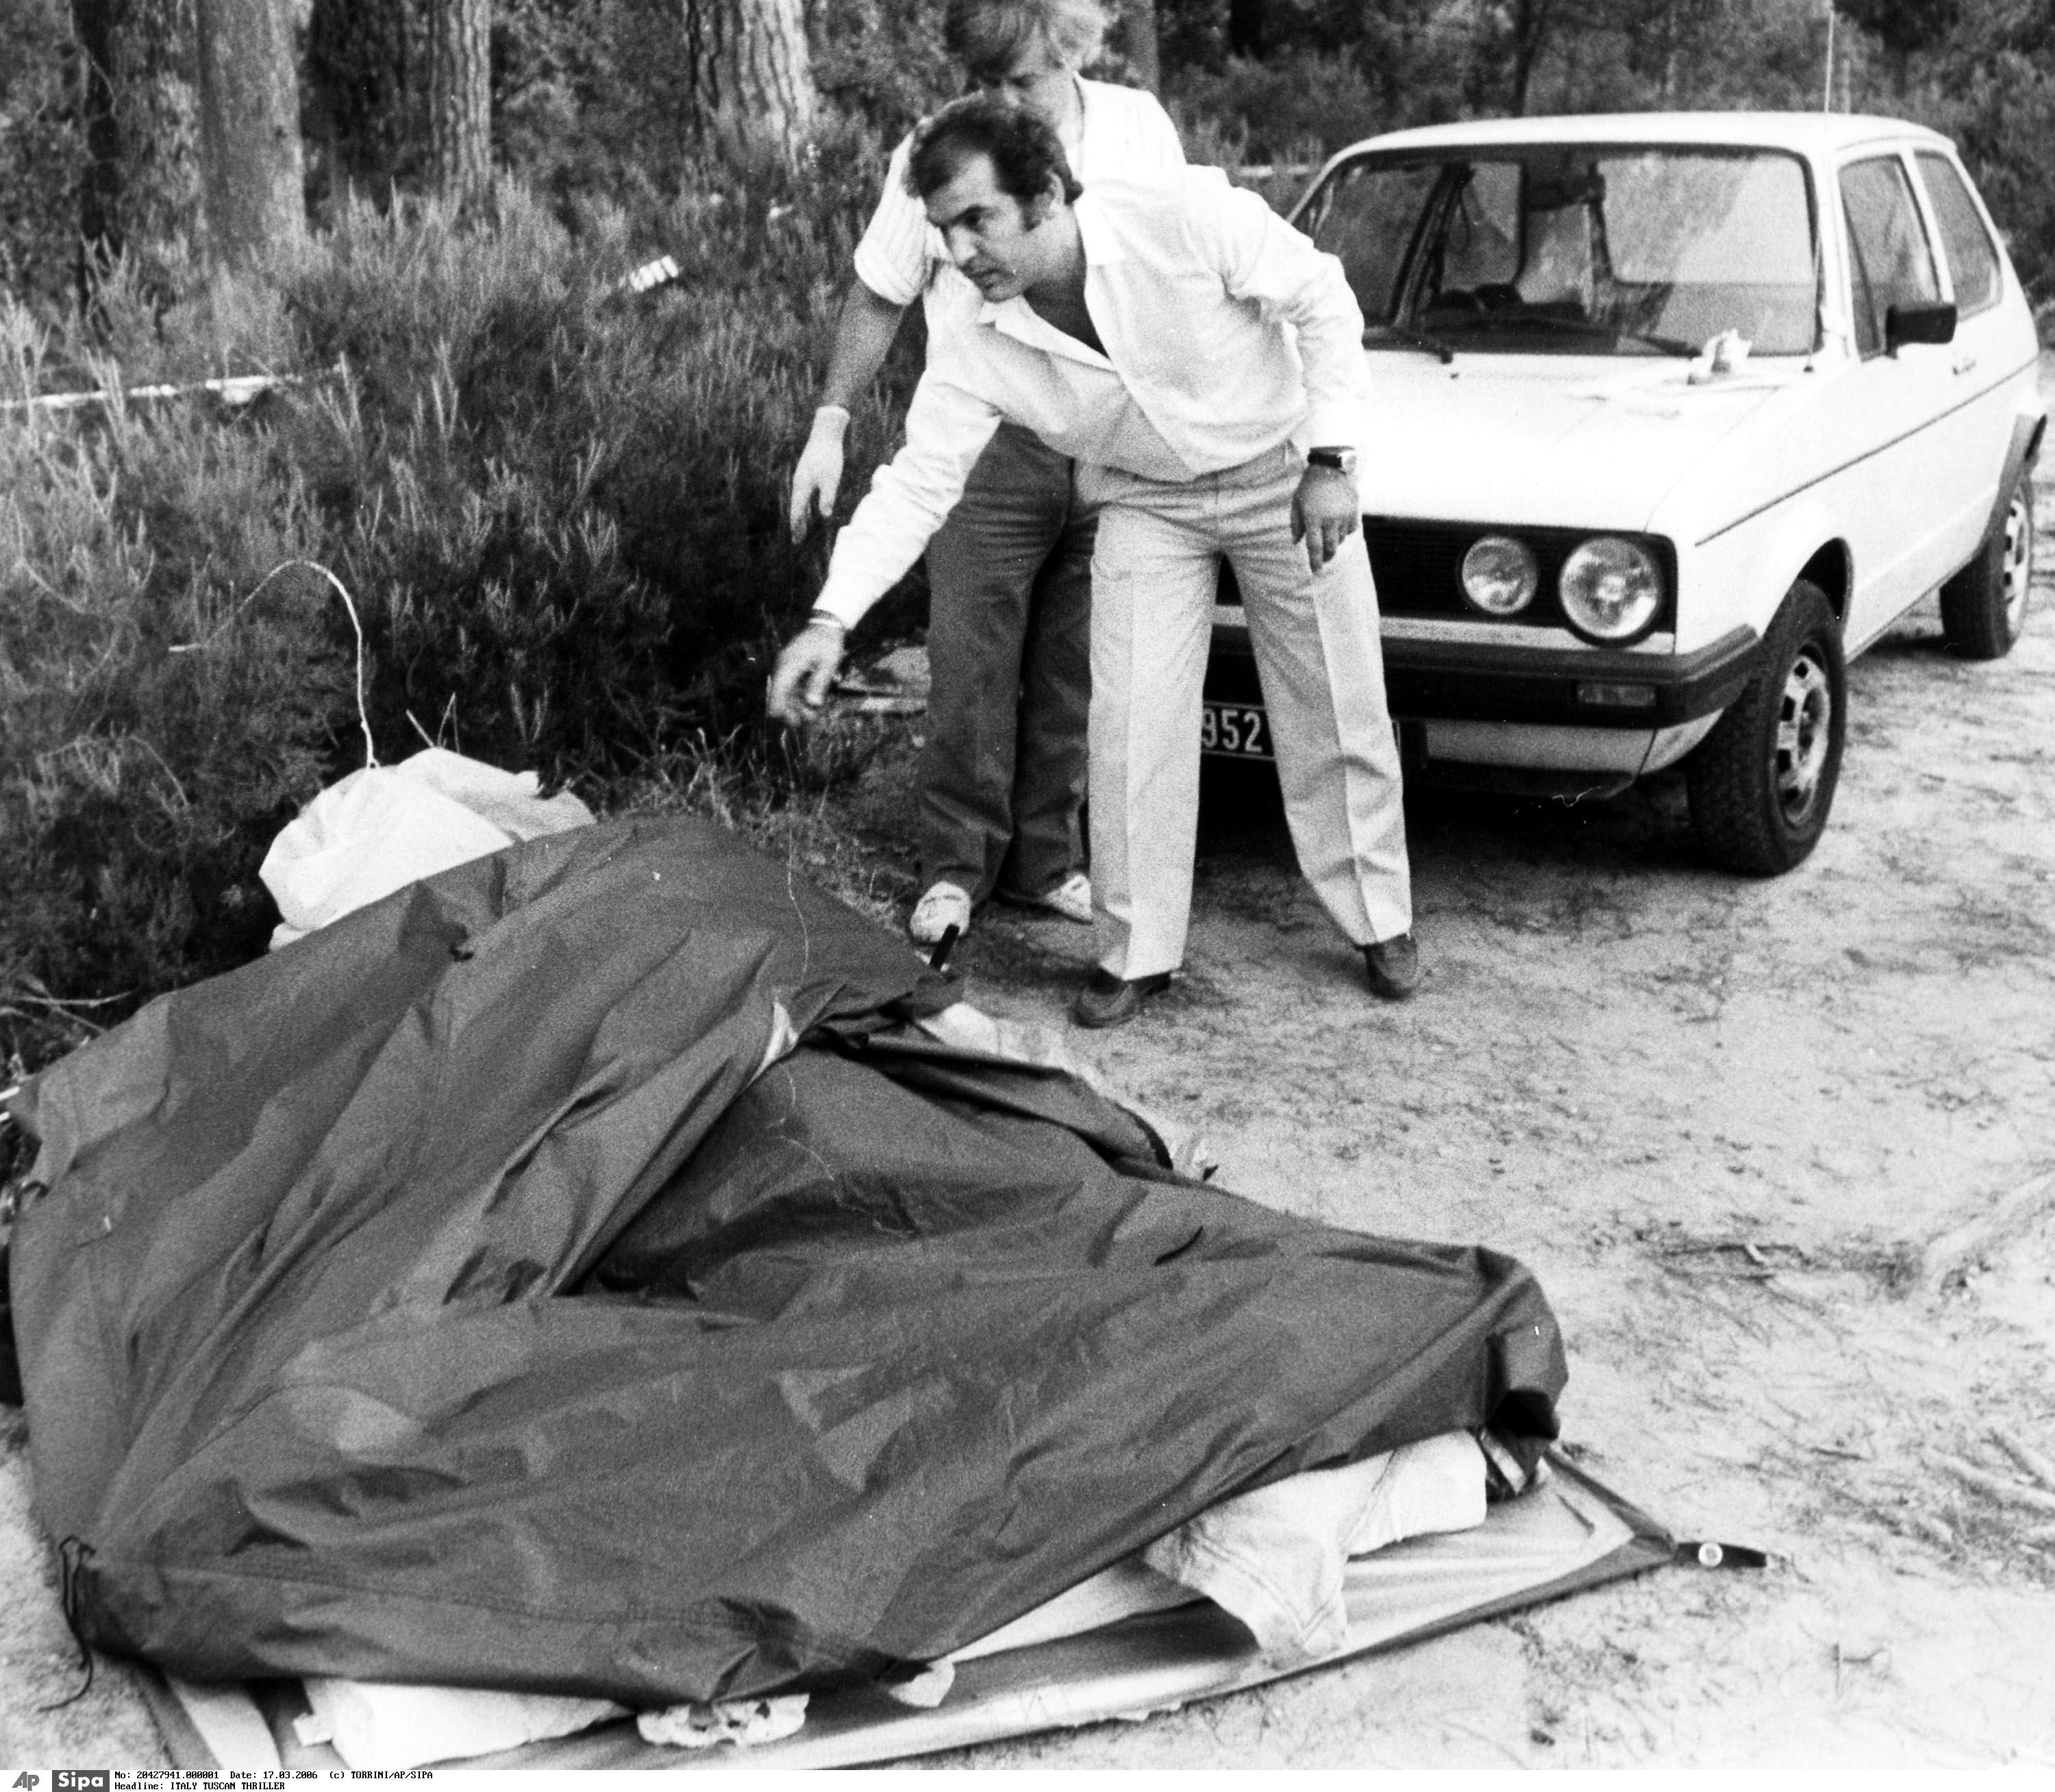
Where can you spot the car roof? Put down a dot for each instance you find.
(1809, 132)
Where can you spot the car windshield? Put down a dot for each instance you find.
(1575, 250)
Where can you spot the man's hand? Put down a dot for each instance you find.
(817, 477)
(1324, 513)
(800, 685)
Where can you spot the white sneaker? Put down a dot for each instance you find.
(944, 906)
(1072, 899)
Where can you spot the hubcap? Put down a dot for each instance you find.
(2018, 560)
(1804, 729)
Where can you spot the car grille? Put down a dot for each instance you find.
(1418, 568)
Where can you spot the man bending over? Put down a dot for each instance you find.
(1202, 362)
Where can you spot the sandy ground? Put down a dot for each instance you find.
(1722, 1120)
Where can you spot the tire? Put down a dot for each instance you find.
(1983, 607)
(1762, 783)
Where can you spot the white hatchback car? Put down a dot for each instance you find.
(1673, 414)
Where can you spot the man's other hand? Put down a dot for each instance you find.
(817, 478)
(800, 685)
(1324, 514)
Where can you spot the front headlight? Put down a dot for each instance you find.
(1610, 588)
(1500, 575)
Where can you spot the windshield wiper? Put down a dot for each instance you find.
(1577, 326)
(1662, 345)
(1413, 339)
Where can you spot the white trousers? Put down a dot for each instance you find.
(1154, 571)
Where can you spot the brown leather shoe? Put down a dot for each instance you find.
(1394, 966)
(1106, 1000)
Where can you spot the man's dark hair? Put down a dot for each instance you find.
(1023, 146)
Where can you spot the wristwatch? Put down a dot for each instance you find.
(1335, 459)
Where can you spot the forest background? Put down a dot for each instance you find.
(555, 501)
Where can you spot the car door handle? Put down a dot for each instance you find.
(1964, 364)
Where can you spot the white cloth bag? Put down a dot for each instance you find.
(389, 825)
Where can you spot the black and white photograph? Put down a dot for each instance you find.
(1049, 885)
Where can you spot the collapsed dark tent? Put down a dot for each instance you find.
(446, 1298)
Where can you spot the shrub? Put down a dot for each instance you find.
(135, 777)
(559, 506)
(564, 506)
(1298, 107)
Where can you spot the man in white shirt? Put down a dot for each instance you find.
(1202, 361)
(1009, 573)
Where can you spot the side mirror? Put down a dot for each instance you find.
(1932, 324)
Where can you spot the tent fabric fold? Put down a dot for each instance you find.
(454, 1297)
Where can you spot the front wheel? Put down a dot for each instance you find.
(1762, 782)
(1983, 607)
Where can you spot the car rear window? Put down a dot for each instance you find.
(1972, 257)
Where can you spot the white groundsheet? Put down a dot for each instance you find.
(1132, 1661)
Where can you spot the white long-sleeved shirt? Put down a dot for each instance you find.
(1225, 331)
(1120, 133)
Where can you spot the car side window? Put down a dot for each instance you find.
(1972, 257)
(1889, 260)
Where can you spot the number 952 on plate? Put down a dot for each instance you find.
(1235, 731)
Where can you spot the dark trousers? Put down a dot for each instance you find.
(1009, 653)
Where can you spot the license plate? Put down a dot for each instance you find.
(1235, 731)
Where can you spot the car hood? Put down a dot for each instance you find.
(1572, 442)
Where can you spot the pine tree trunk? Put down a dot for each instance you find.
(1530, 31)
(1138, 40)
(1245, 27)
(138, 108)
(367, 85)
(460, 98)
(752, 79)
(251, 163)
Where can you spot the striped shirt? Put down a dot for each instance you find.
(1124, 134)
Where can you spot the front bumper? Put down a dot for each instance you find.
(1479, 681)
